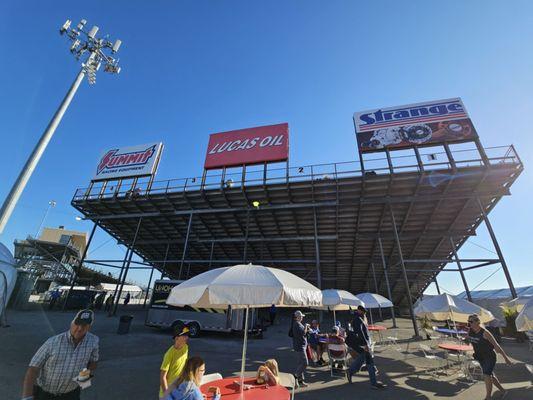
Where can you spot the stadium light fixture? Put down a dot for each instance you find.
(95, 53)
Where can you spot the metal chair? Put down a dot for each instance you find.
(289, 381)
(341, 358)
(431, 354)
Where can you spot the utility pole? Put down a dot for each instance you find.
(83, 44)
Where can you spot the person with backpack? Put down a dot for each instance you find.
(298, 333)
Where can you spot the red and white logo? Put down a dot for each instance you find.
(113, 159)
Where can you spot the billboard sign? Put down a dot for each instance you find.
(127, 162)
(248, 146)
(420, 124)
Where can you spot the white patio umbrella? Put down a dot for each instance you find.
(339, 300)
(524, 320)
(245, 286)
(374, 300)
(444, 307)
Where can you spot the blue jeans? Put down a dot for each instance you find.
(358, 363)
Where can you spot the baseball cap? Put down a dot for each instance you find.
(299, 314)
(84, 317)
(181, 331)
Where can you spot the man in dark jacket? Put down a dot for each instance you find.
(363, 347)
(299, 345)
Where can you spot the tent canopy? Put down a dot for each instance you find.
(339, 300)
(524, 320)
(374, 300)
(445, 307)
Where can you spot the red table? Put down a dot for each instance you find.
(456, 347)
(377, 328)
(230, 390)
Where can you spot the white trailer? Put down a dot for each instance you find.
(162, 315)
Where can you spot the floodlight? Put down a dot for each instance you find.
(256, 204)
(78, 218)
(92, 32)
(65, 26)
(81, 24)
(116, 46)
(75, 44)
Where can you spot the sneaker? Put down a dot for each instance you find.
(349, 377)
(378, 385)
(302, 384)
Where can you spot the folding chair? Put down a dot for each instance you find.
(211, 377)
(430, 354)
(472, 369)
(289, 381)
(338, 358)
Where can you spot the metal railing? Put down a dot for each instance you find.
(406, 161)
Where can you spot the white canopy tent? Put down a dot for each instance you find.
(518, 303)
(374, 300)
(245, 286)
(524, 320)
(339, 300)
(8, 278)
(445, 307)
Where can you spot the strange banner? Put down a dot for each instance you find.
(418, 124)
(248, 146)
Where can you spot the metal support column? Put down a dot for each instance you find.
(376, 287)
(246, 236)
(185, 245)
(148, 287)
(132, 246)
(406, 280)
(458, 262)
(80, 264)
(498, 250)
(317, 252)
(211, 253)
(119, 280)
(387, 280)
(436, 285)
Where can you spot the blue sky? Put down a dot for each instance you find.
(190, 68)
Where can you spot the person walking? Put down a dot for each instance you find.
(60, 359)
(109, 303)
(299, 345)
(127, 299)
(362, 346)
(174, 359)
(272, 314)
(484, 345)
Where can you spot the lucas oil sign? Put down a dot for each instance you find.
(418, 124)
(248, 146)
(126, 162)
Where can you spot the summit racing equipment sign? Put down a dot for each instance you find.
(128, 162)
(248, 146)
(418, 124)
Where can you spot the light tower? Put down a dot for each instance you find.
(95, 52)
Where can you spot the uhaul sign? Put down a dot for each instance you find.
(418, 124)
(126, 162)
(248, 146)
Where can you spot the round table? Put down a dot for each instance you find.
(456, 347)
(230, 390)
(377, 328)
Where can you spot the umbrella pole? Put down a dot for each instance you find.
(334, 318)
(243, 361)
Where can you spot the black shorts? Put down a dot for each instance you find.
(487, 364)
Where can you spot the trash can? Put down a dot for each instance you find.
(124, 324)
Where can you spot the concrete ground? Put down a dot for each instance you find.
(129, 364)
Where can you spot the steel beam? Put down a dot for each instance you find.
(406, 281)
(242, 239)
(185, 245)
(387, 280)
(463, 278)
(148, 287)
(498, 250)
(117, 300)
(317, 252)
(246, 236)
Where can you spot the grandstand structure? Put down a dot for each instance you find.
(390, 228)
